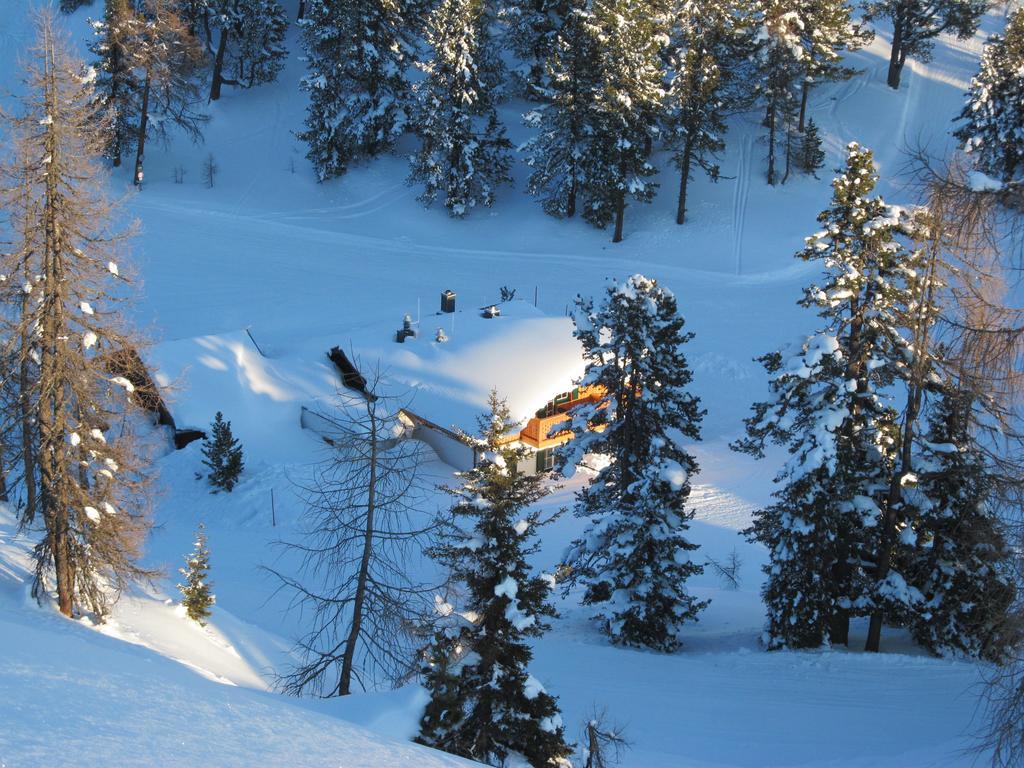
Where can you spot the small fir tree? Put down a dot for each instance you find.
(810, 157)
(488, 707)
(635, 559)
(993, 131)
(195, 592)
(223, 455)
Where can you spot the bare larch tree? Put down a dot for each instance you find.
(364, 533)
(59, 329)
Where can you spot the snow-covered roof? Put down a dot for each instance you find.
(527, 356)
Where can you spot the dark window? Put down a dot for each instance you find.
(545, 460)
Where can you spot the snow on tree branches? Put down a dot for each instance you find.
(485, 705)
(222, 453)
(196, 597)
(635, 559)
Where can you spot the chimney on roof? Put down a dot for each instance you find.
(448, 301)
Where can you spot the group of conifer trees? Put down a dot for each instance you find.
(613, 80)
(893, 502)
(156, 59)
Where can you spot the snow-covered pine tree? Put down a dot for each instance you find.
(448, 698)
(827, 408)
(958, 559)
(810, 157)
(463, 152)
(246, 40)
(710, 44)
(117, 86)
(357, 52)
(781, 58)
(196, 597)
(627, 103)
(532, 28)
(993, 129)
(504, 713)
(70, 6)
(564, 126)
(222, 453)
(635, 559)
(916, 24)
(827, 29)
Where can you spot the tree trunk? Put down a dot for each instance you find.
(620, 213)
(789, 154)
(140, 143)
(684, 179)
(218, 65)
(348, 660)
(55, 512)
(117, 58)
(897, 57)
(771, 144)
(570, 204)
(919, 372)
(302, 10)
(805, 92)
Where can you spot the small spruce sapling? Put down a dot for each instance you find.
(810, 157)
(196, 596)
(223, 455)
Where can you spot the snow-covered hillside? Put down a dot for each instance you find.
(303, 266)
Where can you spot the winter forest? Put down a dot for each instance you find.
(512, 383)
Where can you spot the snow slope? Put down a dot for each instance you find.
(306, 266)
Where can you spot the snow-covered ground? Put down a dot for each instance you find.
(304, 266)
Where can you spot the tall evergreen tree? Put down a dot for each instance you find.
(222, 453)
(827, 29)
(711, 41)
(781, 59)
(246, 41)
(357, 52)
(916, 24)
(532, 31)
(993, 129)
(828, 409)
(628, 100)
(635, 559)
(196, 596)
(490, 708)
(956, 556)
(117, 86)
(565, 125)
(463, 152)
(92, 498)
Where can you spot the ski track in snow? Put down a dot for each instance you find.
(741, 197)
